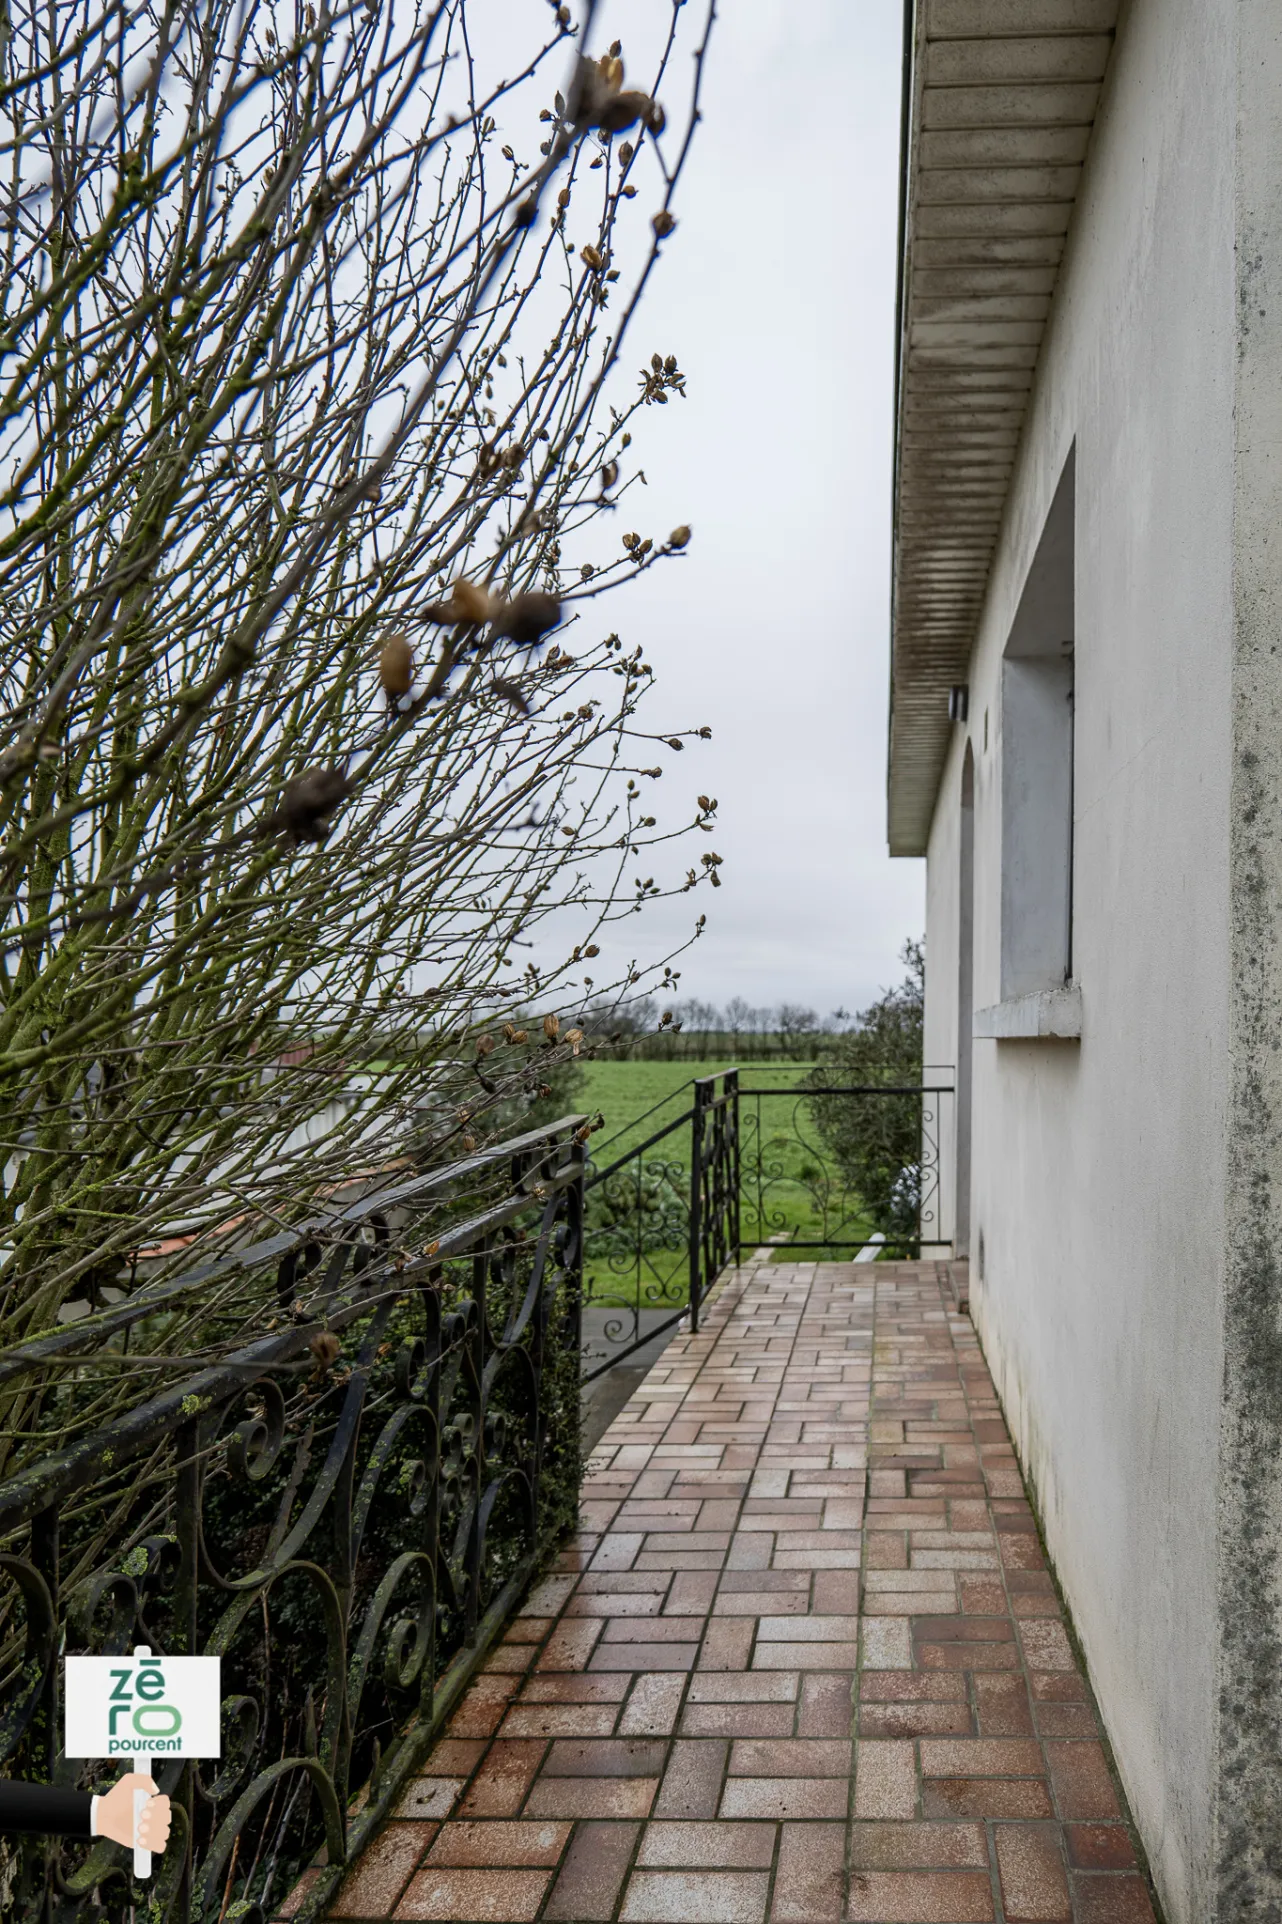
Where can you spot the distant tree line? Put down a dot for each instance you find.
(651, 1029)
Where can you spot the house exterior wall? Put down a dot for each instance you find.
(1100, 1232)
(939, 1032)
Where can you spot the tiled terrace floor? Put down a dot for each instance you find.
(804, 1664)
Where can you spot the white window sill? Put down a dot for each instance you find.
(1049, 1015)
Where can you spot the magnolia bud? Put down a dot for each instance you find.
(622, 110)
(528, 617)
(679, 537)
(396, 667)
(471, 602)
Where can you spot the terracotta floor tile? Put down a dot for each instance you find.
(1099, 1847)
(795, 1757)
(827, 1705)
(1045, 1644)
(782, 1798)
(587, 1890)
(809, 1875)
(571, 1644)
(743, 1687)
(474, 1896)
(1033, 1882)
(600, 1797)
(912, 1847)
(479, 1714)
(692, 1782)
(920, 1897)
(1002, 1707)
(703, 1846)
(1066, 1720)
(645, 1656)
(499, 1787)
(559, 1720)
(499, 1844)
(984, 1757)
(986, 1797)
(618, 1757)
(630, 1630)
(1080, 1780)
(695, 1897)
(654, 1706)
(914, 1720)
(885, 1779)
(892, 1686)
(577, 1688)
(372, 1888)
(429, 1797)
(887, 1644)
(738, 1720)
(455, 1757)
(1111, 1900)
(1056, 1686)
(627, 1603)
(805, 1655)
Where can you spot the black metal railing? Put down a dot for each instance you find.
(349, 1533)
(742, 1166)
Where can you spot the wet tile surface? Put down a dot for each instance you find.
(803, 1665)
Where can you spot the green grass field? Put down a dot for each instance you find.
(789, 1189)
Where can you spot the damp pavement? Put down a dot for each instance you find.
(804, 1664)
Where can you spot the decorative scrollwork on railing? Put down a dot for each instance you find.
(346, 1527)
(662, 1222)
(716, 1168)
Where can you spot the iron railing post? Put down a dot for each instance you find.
(573, 1249)
(702, 1092)
(732, 1097)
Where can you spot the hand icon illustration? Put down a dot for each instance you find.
(56, 1812)
(114, 1815)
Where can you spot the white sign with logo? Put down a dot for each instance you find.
(142, 1706)
(139, 1707)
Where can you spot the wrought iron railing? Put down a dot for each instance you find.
(797, 1188)
(348, 1537)
(742, 1166)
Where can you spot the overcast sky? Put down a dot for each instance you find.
(777, 294)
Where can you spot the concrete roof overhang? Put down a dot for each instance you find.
(999, 100)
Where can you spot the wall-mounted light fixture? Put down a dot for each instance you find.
(958, 703)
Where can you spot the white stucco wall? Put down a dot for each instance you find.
(1098, 1169)
(940, 1025)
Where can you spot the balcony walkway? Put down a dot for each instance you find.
(804, 1665)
